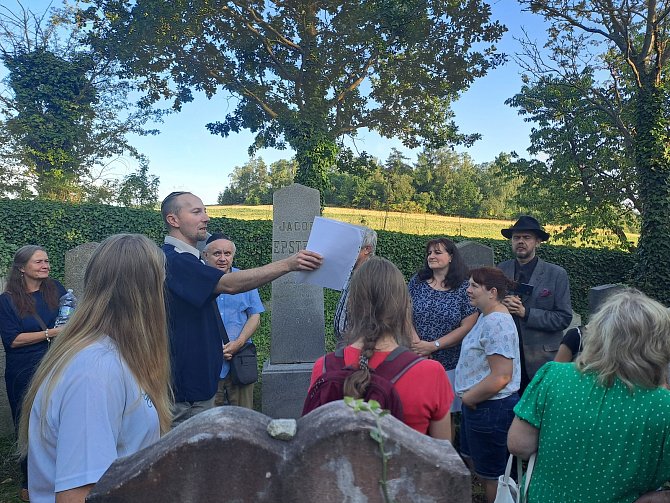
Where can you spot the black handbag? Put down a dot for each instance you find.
(244, 363)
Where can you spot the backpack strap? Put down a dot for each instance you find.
(333, 361)
(399, 361)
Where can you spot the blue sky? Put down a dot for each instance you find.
(187, 157)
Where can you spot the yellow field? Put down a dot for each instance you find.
(408, 223)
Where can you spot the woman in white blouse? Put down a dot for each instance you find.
(488, 377)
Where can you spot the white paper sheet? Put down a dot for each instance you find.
(339, 244)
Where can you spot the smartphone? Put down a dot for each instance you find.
(522, 290)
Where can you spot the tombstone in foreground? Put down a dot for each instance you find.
(298, 327)
(227, 454)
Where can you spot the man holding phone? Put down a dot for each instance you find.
(541, 304)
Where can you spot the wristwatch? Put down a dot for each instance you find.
(437, 343)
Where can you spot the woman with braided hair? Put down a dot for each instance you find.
(379, 320)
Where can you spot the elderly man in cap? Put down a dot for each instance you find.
(541, 305)
(241, 317)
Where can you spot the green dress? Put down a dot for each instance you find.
(596, 444)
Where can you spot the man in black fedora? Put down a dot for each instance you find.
(541, 305)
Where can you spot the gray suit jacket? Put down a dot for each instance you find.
(550, 313)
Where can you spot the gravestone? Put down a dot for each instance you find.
(6, 424)
(298, 327)
(227, 454)
(599, 294)
(76, 261)
(475, 254)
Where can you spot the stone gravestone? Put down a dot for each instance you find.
(599, 294)
(76, 261)
(475, 254)
(298, 327)
(328, 456)
(6, 424)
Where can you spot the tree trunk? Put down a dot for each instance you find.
(653, 168)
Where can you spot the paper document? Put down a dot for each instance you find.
(339, 244)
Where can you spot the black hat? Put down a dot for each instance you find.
(526, 223)
(216, 236)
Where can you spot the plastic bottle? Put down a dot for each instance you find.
(66, 306)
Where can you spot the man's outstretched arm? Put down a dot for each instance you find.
(248, 279)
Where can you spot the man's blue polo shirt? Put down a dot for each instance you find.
(195, 341)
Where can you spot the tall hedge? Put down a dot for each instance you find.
(59, 227)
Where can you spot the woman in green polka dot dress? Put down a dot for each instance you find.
(601, 425)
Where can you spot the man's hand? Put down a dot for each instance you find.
(514, 305)
(305, 260)
(423, 348)
(231, 348)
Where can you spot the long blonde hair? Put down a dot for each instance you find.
(628, 338)
(124, 299)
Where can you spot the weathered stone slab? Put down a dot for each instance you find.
(576, 321)
(298, 327)
(76, 261)
(475, 254)
(298, 331)
(226, 454)
(599, 294)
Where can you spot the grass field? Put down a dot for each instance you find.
(408, 223)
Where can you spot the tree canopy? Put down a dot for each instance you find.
(304, 73)
(65, 113)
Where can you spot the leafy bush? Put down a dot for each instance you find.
(59, 227)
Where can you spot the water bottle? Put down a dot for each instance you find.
(66, 306)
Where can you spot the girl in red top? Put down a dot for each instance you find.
(378, 321)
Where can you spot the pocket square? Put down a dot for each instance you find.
(545, 293)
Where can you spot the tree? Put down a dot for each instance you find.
(66, 113)
(282, 173)
(450, 180)
(587, 183)
(637, 33)
(499, 188)
(139, 189)
(307, 72)
(249, 184)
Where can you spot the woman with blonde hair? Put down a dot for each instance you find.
(379, 320)
(601, 425)
(102, 391)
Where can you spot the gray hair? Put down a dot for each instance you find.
(628, 338)
(369, 238)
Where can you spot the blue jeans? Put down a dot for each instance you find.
(484, 435)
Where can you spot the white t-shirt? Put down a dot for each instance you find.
(493, 334)
(96, 413)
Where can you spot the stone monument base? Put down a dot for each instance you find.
(285, 387)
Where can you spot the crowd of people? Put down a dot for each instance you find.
(129, 366)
